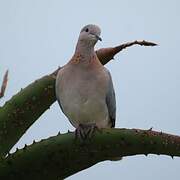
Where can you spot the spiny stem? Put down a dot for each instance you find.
(4, 84)
(23, 109)
(61, 156)
(106, 54)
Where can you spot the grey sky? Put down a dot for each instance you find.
(36, 36)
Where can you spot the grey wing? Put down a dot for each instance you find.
(58, 91)
(111, 101)
(59, 102)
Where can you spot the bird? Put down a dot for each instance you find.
(84, 87)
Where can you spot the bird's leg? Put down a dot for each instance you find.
(85, 131)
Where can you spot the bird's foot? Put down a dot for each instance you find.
(85, 131)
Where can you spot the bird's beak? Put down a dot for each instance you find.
(98, 38)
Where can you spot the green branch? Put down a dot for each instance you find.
(23, 109)
(61, 156)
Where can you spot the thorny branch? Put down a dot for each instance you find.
(4, 84)
(63, 155)
(106, 54)
(141, 43)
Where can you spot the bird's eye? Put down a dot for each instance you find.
(87, 30)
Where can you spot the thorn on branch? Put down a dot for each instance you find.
(4, 84)
(25, 147)
(150, 129)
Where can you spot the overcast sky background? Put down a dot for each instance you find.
(37, 36)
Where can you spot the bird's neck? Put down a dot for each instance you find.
(85, 50)
(85, 55)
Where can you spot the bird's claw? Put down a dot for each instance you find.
(85, 131)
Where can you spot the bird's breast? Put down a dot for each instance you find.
(82, 97)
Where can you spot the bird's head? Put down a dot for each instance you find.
(90, 34)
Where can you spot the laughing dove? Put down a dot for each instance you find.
(84, 87)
